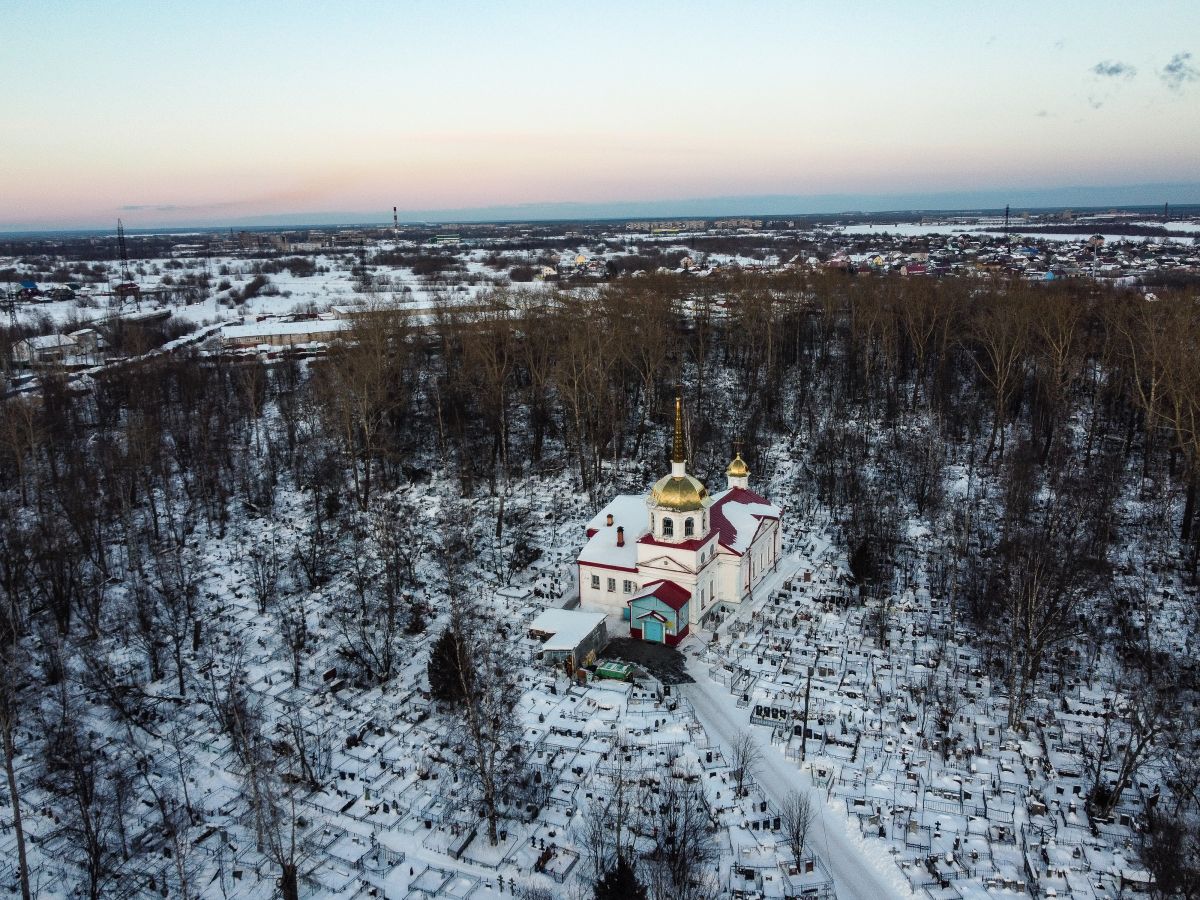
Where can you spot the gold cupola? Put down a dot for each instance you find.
(738, 468)
(679, 491)
(738, 473)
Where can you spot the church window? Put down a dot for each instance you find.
(596, 582)
(689, 527)
(612, 585)
(668, 526)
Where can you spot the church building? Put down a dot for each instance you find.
(671, 558)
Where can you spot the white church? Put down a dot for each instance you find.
(670, 559)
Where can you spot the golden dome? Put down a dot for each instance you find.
(679, 493)
(738, 468)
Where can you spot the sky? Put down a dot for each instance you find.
(175, 113)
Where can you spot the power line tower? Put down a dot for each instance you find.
(124, 251)
(1006, 221)
(9, 299)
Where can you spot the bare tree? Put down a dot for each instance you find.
(264, 574)
(999, 332)
(90, 792)
(269, 790)
(796, 816)
(484, 727)
(175, 577)
(363, 390)
(291, 621)
(677, 819)
(11, 668)
(1129, 737)
(608, 825)
(370, 618)
(745, 758)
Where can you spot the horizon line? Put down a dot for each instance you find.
(1125, 197)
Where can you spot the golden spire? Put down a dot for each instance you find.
(679, 491)
(677, 454)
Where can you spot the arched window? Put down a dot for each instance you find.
(668, 527)
(689, 526)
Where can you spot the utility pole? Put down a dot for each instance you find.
(124, 252)
(10, 305)
(804, 727)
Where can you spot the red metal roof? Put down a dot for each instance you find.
(728, 534)
(668, 592)
(690, 544)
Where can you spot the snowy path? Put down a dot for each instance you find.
(860, 872)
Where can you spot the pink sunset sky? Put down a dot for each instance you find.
(167, 113)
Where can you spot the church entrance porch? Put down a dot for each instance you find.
(652, 630)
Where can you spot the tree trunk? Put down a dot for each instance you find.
(18, 829)
(1189, 508)
(289, 882)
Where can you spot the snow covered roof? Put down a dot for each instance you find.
(49, 341)
(736, 514)
(567, 628)
(263, 329)
(628, 511)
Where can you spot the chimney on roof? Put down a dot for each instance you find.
(620, 536)
(608, 520)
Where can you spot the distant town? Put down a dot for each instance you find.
(289, 288)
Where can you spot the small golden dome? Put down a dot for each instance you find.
(679, 493)
(738, 468)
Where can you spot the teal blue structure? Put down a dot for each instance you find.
(659, 613)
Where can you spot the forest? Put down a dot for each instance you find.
(1070, 410)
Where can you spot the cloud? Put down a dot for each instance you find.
(172, 207)
(1111, 69)
(1179, 71)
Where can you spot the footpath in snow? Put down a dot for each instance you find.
(860, 872)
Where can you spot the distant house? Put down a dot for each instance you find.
(569, 637)
(87, 340)
(43, 349)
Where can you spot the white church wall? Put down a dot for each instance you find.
(729, 577)
(602, 598)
